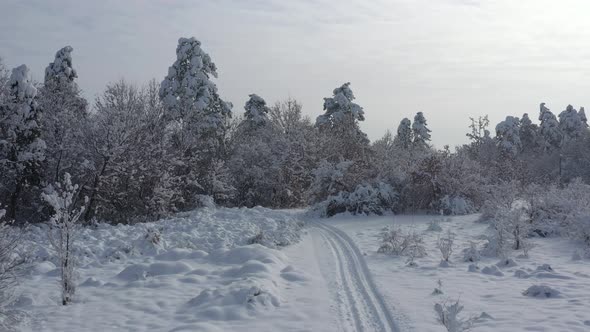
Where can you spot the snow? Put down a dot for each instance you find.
(197, 273)
(201, 271)
(408, 290)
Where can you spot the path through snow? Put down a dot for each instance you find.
(359, 303)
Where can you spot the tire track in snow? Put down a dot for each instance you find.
(368, 310)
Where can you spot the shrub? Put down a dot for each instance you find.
(448, 316)
(434, 226)
(445, 245)
(394, 241)
(456, 206)
(365, 199)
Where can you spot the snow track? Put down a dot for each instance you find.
(360, 300)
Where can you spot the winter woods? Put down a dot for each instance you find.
(143, 152)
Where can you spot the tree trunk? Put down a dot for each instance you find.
(90, 209)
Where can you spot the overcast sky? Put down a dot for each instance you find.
(450, 59)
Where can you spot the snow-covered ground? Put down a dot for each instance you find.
(199, 272)
(408, 290)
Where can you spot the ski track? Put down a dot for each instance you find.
(363, 303)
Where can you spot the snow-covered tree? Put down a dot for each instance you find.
(529, 136)
(256, 156)
(340, 110)
(404, 134)
(22, 151)
(571, 124)
(62, 231)
(549, 129)
(256, 110)
(342, 138)
(130, 159)
(187, 88)
(61, 72)
(299, 156)
(342, 142)
(4, 77)
(582, 115)
(199, 117)
(508, 135)
(420, 131)
(64, 117)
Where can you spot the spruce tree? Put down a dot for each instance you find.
(22, 151)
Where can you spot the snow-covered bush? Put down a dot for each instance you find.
(471, 254)
(62, 230)
(456, 206)
(445, 245)
(510, 229)
(434, 226)
(502, 195)
(562, 211)
(396, 242)
(448, 316)
(365, 199)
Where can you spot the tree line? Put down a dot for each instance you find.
(139, 153)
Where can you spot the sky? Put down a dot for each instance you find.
(451, 59)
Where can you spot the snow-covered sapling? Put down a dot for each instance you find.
(448, 316)
(62, 230)
(445, 245)
(438, 289)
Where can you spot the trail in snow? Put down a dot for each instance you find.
(359, 300)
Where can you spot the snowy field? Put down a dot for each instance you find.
(199, 272)
(495, 288)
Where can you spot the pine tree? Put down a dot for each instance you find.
(343, 142)
(256, 156)
(549, 129)
(583, 118)
(64, 117)
(22, 151)
(529, 135)
(342, 139)
(571, 124)
(508, 135)
(256, 111)
(420, 131)
(404, 134)
(198, 114)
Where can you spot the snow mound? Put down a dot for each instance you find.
(492, 270)
(143, 271)
(541, 291)
(508, 262)
(92, 282)
(42, 268)
(473, 268)
(188, 235)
